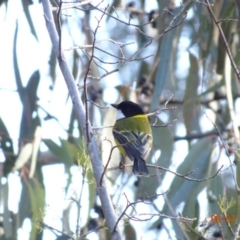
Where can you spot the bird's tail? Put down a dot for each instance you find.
(140, 168)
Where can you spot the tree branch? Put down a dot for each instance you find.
(236, 70)
(81, 117)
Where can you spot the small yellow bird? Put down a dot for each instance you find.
(133, 132)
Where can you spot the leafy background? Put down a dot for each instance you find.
(42, 149)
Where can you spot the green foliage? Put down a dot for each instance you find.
(188, 58)
(83, 158)
(37, 198)
(7, 148)
(225, 204)
(66, 152)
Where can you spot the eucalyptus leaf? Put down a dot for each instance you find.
(8, 228)
(64, 152)
(37, 198)
(164, 64)
(129, 231)
(6, 145)
(198, 159)
(191, 111)
(26, 4)
(163, 141)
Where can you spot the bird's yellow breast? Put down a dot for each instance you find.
(138, 123)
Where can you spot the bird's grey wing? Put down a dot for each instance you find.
(136, 145)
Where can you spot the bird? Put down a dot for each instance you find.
(133, 135)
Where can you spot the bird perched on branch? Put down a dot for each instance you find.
(133, 135)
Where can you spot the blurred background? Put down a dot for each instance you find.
(143, 51)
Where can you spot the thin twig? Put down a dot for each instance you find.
(221, 230)
(175, 173)
(194, 231)
(44, 225)
(121, 166)
(108, 161)
(83, 237)
(68, 6)
(228, 223)
(224, 40)
(92, 146)
(227, 153)
(159, 110)
(101, 107)
(136, 217)
(169, 124)
(119, 20)
(88, 69)
(59, 29)
(79, 207)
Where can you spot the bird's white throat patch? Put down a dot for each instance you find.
(120, 115)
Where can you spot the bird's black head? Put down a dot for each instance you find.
(129, 109)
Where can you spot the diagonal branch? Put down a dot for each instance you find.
(81, 117)
(218, 24)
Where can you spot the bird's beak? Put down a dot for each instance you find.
(114, 105)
